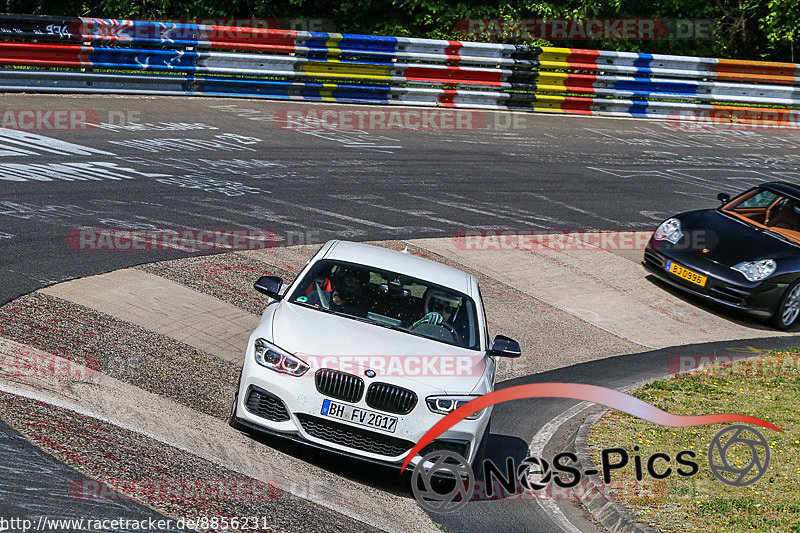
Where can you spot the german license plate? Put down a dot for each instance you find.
(359, 416)
(685, 273)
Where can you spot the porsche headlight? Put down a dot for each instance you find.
(669, 230)
(444, 405)
(270, 356)
(756, 270)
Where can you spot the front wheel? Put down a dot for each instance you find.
(232, 420)
(480, 455)
(788, 308)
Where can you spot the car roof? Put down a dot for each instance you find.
(402, 263)
(784, 187)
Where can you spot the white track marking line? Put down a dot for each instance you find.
(574, 208)
(523, 214)
(456, 205)
(33, 141)
(256, 213)
(423, 214)
(333, 214)
(536, 449)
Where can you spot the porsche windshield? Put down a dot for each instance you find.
(768, 209)
(390, 300)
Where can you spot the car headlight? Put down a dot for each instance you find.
(669, 230)
(270, 356)
(756, 270)
(444, 405)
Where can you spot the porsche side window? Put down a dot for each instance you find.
(758, 201)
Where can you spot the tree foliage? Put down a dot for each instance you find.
(745, 29)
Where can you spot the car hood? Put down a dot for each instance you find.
(728, 239)
(326, 340)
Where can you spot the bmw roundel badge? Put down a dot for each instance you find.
(369, 373)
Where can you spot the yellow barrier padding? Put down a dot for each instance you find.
(548, 102)
(332, 44)
(347, 70)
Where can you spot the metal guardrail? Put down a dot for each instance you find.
(175, 58)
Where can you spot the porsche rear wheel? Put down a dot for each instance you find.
(788, 310)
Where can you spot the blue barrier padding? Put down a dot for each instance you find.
(638, 109)
(646, 86)
(283, 89)
(642, 63)
(143, 59)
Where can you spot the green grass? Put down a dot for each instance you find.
(767, 388)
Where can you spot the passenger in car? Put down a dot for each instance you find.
(349, 291)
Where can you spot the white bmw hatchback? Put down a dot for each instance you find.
(365, 351)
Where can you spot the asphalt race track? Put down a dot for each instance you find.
(517, 171)
(175, 163)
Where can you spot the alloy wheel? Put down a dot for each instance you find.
(791, 307)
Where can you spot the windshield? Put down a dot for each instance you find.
(390, 300)
(768, 209)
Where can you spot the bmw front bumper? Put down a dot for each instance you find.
(303, 422)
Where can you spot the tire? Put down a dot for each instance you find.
(788, 310)
(480, 454)
(232, 420)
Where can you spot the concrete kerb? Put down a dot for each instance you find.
(611, 514)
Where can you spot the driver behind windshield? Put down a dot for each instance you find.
(440, 308)
(348, 296)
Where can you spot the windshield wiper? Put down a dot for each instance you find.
(778, 236)
(389, 326)
(318, 308)
(368, 321)
(336, 313)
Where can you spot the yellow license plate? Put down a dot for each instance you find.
(686, 274)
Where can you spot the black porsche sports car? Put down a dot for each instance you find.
(745, 254)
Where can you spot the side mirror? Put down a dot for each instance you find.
(502, 346)
(269, 285)
(724, 198)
